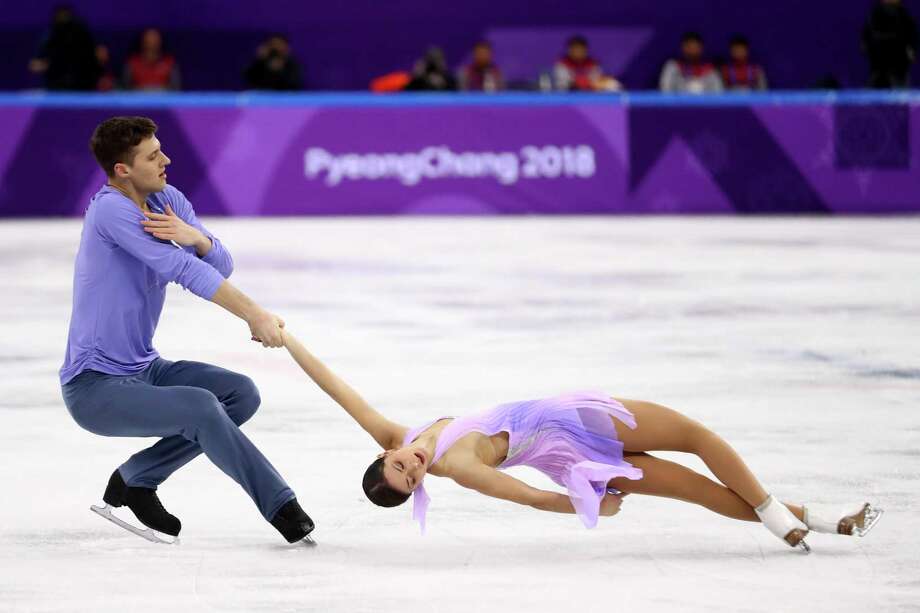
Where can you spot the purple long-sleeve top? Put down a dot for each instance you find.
(120, 278)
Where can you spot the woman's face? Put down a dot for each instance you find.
(405, 468)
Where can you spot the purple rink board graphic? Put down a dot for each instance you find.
(356, 154)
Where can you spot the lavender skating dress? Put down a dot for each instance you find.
(569, 438)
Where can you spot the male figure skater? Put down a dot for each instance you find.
(139, 233)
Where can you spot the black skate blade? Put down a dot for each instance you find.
(145, 533)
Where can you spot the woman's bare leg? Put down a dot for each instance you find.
(663, 429)
(671, 480)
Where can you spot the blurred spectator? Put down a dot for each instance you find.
(150, 67)
(430, 73)
(106, 81)
(691, 73)
(739, 74)
(890, 40)
(274, 67)
(482, 74)
(67, 54)
(578, 71)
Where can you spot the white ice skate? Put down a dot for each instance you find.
(852, 520)
(780, 521)
(153, 536)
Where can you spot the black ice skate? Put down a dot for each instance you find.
(293, 523)
(162, 527)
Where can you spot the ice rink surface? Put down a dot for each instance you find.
(796, 339)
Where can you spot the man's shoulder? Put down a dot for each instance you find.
(108, 202)
(171, 196)
(170, 192)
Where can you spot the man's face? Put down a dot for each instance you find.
(147, 171)
(692, 50)
(152, 41)
(578, 52)
(482, 55)
(739, 53)
(278, 46)
(62, 15)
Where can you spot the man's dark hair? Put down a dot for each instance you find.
(378, 490)
(114, 140)
(692, 36)
(737, 40)
(578, 39)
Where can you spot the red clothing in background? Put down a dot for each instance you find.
(142, 74)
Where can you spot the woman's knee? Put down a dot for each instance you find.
(698, 438)
(663, 478)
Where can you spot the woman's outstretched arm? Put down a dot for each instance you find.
(491, 482)
(388, 434)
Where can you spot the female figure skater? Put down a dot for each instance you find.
(593, 445)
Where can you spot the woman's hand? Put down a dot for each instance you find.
(610, 504)
(266, 328)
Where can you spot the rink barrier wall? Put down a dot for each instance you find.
(362, 154)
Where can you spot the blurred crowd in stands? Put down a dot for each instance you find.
(69, 58)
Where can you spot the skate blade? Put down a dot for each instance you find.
(796, 540)
(151, 535)
(871, 517)
(308, 541)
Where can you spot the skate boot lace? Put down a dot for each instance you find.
(156, 501)
(151, 495)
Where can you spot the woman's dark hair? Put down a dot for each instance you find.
(376, 488)
(114, 140)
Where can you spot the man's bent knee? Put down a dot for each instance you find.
(246, 400)
(201, 405)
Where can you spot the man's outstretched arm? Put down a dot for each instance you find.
(264, 326)
(122, 225)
